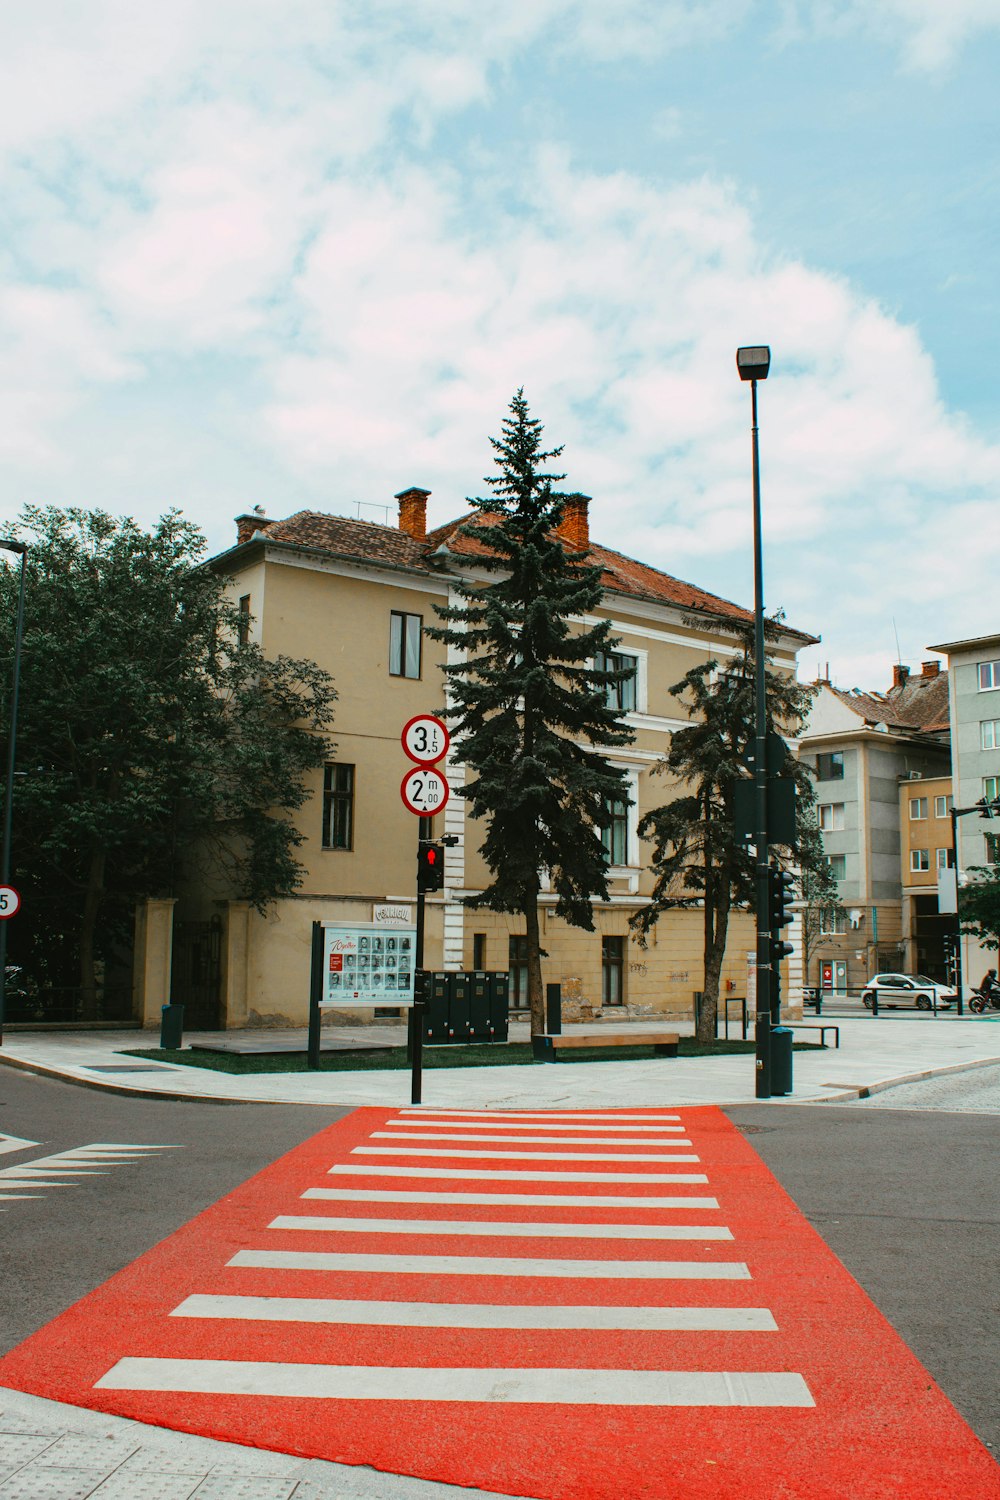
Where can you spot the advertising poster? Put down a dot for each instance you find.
(367, 965)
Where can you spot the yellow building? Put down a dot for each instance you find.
(357, 597)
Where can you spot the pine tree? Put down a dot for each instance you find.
(696, 858)
(529, 709)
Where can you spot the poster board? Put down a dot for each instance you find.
(367, 963)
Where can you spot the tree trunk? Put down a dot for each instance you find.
(536, 998)
(717, 903)
(88, 927)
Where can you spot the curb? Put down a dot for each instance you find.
(865, 1091)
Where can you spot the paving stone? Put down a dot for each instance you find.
(35, 1483)
(74, 1451)
(243, 1487)
(132, 1484)
(164, 1461)
(22, 1447)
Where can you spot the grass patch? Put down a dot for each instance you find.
(489, 1055)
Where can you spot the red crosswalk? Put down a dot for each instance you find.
(566, 1305)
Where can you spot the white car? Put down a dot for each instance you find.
(908, 989)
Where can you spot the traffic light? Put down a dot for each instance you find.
(780, 894)
(430, 867)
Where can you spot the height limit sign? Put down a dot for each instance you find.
(424, 790)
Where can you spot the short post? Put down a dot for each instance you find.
(315, 995)
(553, 1009)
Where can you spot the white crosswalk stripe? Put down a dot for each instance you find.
(499, 1227)
(463, 1155)
(68, 1168)
(484, 1265)
(520, 1200)
(467, 1173)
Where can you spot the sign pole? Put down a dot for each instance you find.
(315, 993)
(419, 1011)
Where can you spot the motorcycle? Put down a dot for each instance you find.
(987, 997)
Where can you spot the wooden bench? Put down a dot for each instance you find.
(823, 1029)
(547, 1048)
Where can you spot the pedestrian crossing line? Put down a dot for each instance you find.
(468, 1173)
(559, 1387)
(425, 1112)
(463, 1155)
(483, 1265)
(609, 1131)
(501, 1229)
(514, 1200)
(561, 1317)
(522, 1140)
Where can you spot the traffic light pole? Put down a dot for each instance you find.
(419, 1011)
(763, 1003)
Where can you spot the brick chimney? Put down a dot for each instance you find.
(574, 527)
(246, 525)
(413, 512)
(900, 675)
(930, 668)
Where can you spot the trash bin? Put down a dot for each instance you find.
(781, 1060)
(171, 1026)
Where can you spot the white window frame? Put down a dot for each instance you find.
(990, 670)
(641, 679)
(991, 788)
(832, 923)
(943, 806)
(943, 858)
(920, 861)
(842, 858)
(835, 822)
(920, 815)
(989, 734)
(631, 791)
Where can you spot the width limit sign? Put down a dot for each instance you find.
(424, 790)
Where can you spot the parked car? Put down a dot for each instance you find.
(908, 989)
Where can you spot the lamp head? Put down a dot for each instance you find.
(753, 361)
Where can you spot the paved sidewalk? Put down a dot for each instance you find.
(53, 1452)
(873, 1054)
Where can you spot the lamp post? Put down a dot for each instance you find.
(753, 363)
(20, 549)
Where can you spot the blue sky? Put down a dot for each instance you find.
(300, 254)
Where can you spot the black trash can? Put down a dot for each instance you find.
(781, 1060)
(171, 1026)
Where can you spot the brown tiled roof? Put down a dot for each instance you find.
(920, 703)
(338, 534)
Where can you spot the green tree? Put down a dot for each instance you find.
(696, 860)
(980, 903)
(147, 734)
(529, 709)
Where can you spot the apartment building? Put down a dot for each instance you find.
(865, 749)
(357, 597)
(925, 851)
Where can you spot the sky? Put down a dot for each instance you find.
(300, 254)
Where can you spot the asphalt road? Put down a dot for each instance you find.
(908, 1201)
(60, 1245)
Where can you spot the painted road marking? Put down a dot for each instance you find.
(395, 1383)
(521, 1200)
(535, 1114)
(493, 1124)
(11, 1143)
(521, 1140)
(510, 1374)
(474, 1315)
(485, 1265)
(431, 1151)
(65, 1169)
(468, 1173)
(495, 1227)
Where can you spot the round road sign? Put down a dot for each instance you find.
(10, 900)
(425, 739)
(424, 791)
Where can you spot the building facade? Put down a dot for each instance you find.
(357, 598)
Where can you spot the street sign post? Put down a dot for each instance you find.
(424, 790)
(425, 739)
(10, 902)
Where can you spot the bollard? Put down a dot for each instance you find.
(781, 1060)
(171, 1027)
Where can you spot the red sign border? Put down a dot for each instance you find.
(417, 811)
(5, 916)
(433, 718)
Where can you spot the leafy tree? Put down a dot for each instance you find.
(696, 859)
(147, 731)
(980, 903)
(530, 712)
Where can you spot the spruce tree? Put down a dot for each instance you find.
(696, 858)
(529, 710)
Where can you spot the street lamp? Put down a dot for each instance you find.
(753, 363)
(19, 548)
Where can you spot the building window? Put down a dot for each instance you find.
(612, 971)
(517, 966)
(830, 767)
(993, 848)
(838, 866)
(989, 734)
(338, 807)
(943, 806)
(991, 788)
(479, 950)
(243, 629)
(614, 835)
(831, 816)
(619, 695)
(832, 922)
(918, 809)
(989, 675)
(945, 859)
(405, 633)
(920, 859)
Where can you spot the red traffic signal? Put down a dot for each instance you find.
(430, 867)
